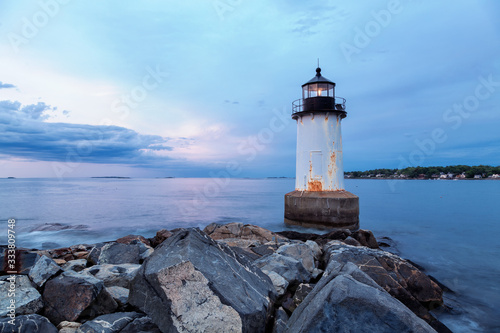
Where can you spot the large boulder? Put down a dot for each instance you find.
(109, 323)
(71, 295)
(43, 270)
(120, 253)
(193, 284)
(141, 325)
(300, 252)
(397, 276)
(31, 323)
(113, 275)
(241, 231)
(349, 301)
(27, 299)
(289, 268)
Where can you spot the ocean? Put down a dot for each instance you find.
(451, 228)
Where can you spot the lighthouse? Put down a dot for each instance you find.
(320, 199)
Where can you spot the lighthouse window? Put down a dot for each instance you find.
(313, 90)
(322, 89)
(330, 90)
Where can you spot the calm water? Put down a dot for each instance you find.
(449, 227)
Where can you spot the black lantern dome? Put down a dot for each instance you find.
(318, 94)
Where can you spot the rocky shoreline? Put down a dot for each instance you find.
(226, 278)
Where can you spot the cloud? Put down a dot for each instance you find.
(6, 85)
(26, 135)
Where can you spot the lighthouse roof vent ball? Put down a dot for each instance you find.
(320, 199)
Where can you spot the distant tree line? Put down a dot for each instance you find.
(416, 172)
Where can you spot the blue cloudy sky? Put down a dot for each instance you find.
(201, 88)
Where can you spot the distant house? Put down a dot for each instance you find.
(379, 175)
(450, 175)
(442, 176)
(461, 176)
(478, 176)
(495, 175)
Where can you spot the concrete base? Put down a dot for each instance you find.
(323, 210)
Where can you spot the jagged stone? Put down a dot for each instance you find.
(191, 283)
(401, 279)
(76, 265)
(27, 299)
(160, 237)
(300, 252)
(241, 231)
(113, 275)
(279, 283)
(119, 294)
(67, 296)
(365, 238)
(31, 323)
(289, 268)
(130, 238)
(119, 253)
(68, 326)
(344, 301)
(280, 320)
(43, 270)
(109, 323)
(141, 325)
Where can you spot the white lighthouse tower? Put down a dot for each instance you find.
(319, 199)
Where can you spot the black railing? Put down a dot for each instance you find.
(298, 105)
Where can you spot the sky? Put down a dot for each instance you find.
(204, 88)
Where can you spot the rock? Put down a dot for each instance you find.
(395, 275)
(289, 268)
(279, 283)
(113, 275)
(161, 235)
(31, 323)
(58, 227)
(301, 293)
(365, 238)
(130, 238)
(141, 325)
(192, 283)
(280, 320)
(339, 234)
(109, 323)
(103, 304)
(60, 262)
(317, 252)
(81, 254)
(241, 231)
(94, 253)
(119, 294)
(342, 303)
(68, 326)
(68, 295)
(28, 299)
(76, 265)
(300, 252)
(263, 250)
(118, 253)
(43, 270)
(351, 241)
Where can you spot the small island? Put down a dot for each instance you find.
(433, 172)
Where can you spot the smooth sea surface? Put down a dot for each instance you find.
(451, 228)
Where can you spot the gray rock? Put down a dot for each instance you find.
(279, 283)
(351, 241)
(289, 268)
(25, 259)
(192, 283)
(118, 253)
(68, 326)
(76, 265)
(315, 248)
(69, 294)
(113, 275)
(300, 252)
(301, 293)
(343, 304)
(401, 279)
(141, 325)
(27, 299)
(31, 323)
(109, 323)
(43, 270)
(280, 320)
(119, 294)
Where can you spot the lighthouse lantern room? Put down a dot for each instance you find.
(319, 199)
